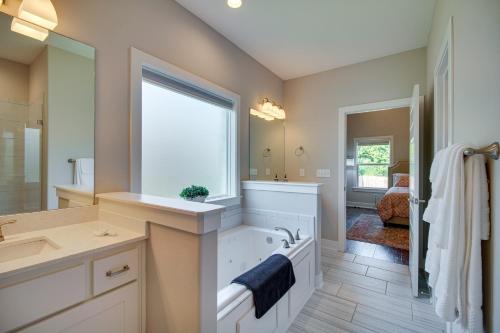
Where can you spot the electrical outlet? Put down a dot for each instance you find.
(254, 172)
(268, 171)
(302, 172)
(323, 173)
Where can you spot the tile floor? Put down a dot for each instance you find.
(365, 294)
(372, 250)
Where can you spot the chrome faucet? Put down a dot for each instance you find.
(3, 223)
(291, 240)
(285, 244)
(297, 235)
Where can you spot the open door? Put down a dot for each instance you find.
(415, 188)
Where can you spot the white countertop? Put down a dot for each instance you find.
(167, 204)
(72, 241)
(80, 189)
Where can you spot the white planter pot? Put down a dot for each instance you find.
(197, 199)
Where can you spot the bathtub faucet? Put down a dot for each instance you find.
(291, 240)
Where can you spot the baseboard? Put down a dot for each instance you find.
(360, 204)
(329, 244)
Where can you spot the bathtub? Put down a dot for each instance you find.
(244, 247)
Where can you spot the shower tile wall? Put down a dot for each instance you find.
(19, 143)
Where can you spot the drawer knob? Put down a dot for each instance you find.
(117, 271)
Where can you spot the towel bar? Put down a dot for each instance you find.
(491, 151)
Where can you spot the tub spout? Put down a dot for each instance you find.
(291, 240)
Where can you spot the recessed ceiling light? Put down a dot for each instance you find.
(234, 3)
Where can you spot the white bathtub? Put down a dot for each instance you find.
(240, 249)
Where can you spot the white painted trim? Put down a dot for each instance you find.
(342, 122)
(291, 187)
(140, 60)
(360, 204)
(446, 59)
(329, 244)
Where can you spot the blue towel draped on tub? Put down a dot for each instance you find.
(268, 281)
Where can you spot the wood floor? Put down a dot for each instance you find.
(365, 294)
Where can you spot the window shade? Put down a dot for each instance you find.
(186, 88)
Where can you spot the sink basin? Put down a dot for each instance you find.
(26, 248)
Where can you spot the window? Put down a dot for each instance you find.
(373, 157)
(184, 132)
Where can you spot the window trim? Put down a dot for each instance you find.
(365, 140)
(140, 60)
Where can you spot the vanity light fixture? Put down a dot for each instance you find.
(39, 12)
(234, 3)
(269, 111)
(28, 29)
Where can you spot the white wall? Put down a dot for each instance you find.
(476, 108)
(394, 123)
(70, 116)
(165, 30)
(313, 101)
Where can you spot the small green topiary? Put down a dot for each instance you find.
(194, 191)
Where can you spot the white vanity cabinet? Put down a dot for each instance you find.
(102, 292)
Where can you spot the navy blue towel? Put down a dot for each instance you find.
(268, 281)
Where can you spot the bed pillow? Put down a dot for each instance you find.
(403, 180)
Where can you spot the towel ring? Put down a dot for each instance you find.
(299, 151)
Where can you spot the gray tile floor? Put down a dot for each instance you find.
(365, 294)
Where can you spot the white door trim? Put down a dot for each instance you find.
(443, 91)
(342, 129)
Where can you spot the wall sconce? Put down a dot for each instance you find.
(36, 18)
(39, 12)
(269, 111)
(299, 151)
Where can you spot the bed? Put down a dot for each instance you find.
(393, 207)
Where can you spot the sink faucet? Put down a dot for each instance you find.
(291, 240)
(1, 224)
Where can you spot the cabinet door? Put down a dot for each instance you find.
(114, 312)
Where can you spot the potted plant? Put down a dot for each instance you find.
(195, 193)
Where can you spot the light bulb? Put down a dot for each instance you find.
(234, 3)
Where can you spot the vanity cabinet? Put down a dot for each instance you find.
(102, 292)
(113, 312)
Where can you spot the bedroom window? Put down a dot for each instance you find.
(373, 157)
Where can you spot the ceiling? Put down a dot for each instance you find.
(295, 38)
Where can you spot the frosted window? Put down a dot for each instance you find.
(185, 141)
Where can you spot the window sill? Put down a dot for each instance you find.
(225, 201)
(369, 189)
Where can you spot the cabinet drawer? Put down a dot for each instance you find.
(115, 270)
(25, 302)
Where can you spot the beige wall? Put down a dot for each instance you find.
(313, 101)
(395, 123)
(14, 81)
(476, 108)
(166, 30)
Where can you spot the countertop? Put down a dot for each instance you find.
(71, 241)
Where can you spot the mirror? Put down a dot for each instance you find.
(46, 122)
(267, 149)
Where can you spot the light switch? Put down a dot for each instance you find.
(302, 172)
(254, 172)
(268, 171)
(323, 173)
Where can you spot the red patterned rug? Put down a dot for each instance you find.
(369, 228)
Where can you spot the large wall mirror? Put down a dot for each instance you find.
(47, 93)
(267, 149)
